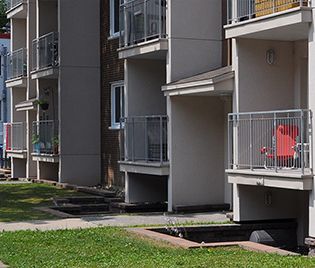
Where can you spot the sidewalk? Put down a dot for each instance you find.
(113, 220)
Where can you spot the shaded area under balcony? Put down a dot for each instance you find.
(15, 139)
(45, 140)
(286, 20)
(17, 68)
(143, 29)
(271, 149)
(16, 9)
(144, 145)
(45, 57)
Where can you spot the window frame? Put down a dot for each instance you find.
(112, 25)
(114, 87)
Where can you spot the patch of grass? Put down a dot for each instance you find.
(113, 247)
(17, 201)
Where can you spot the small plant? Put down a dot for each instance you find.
(43, 104)
(173, 228)
(55, 142)
(35, 139)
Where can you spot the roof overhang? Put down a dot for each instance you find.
(214, 83)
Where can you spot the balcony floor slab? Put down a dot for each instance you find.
(289, 25)
(48, 73)
(286, 180)
(18, 12)
(16, 82)
(20, 154)
(141, 167)
(153, 49)
(49, 158)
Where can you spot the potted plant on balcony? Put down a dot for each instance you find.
(55, 143)
(35, 142)
(43, 104)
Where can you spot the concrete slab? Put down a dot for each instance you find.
(113, 220)
(3, 265)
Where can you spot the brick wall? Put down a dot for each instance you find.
(112, 70)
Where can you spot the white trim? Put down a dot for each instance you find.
(116, 125)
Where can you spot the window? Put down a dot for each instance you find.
(114, 16)
(118, 103)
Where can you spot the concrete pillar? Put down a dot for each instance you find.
(311, 100)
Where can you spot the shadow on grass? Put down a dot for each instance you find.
(17, 201)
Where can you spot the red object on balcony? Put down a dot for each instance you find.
(285, 140)
(7, 137)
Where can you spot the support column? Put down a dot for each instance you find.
(311, 99)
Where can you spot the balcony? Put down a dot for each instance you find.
(144, 145)
(143, 28)
(17, 68)
(45, 140)
(271, 149)
(15, 139)
(45, 58)
(16, 9)
(286, 20)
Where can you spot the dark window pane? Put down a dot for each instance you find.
(117, 105)
(116, 15)
(122, 102)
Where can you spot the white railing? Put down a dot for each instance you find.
(45, 52)
(17, 64)
(15, 136)
(275, 140)
(241, 10)
(45, 137)
(13, 3)
(144, 138)
(142, 20)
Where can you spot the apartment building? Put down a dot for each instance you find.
(178, 92)
(112, 94)
(271, 128)
(4, 93)
(55, 87)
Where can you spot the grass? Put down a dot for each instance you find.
(17, 201)
(113, 247)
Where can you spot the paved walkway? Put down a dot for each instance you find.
(113, 220)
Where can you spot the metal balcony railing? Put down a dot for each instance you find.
(142, 20)
(13, 3)
(241, 10)
(17, 64)
(144, 138)
(277, 140)
(15, 136)
(45, 137)
(45, 52)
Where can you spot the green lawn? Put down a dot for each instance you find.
(17, 201)
(113, 247)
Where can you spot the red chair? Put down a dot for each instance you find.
(286, 142)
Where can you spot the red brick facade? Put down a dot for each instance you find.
(112, 70)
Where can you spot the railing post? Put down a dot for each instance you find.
(132, 141)
(146, 148)
(274, 6)
(302, 141)
(161, 139)
(275, 141)
(145, 19)
(160, 18)
(251, 142)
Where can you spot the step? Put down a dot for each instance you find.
(94, 191)
(81, 200)
(201, 208)
(139, 207)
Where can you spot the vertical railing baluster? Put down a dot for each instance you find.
(302, 140)
(275, 141)
(161, 140)
(146, 139)
(251, 142)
